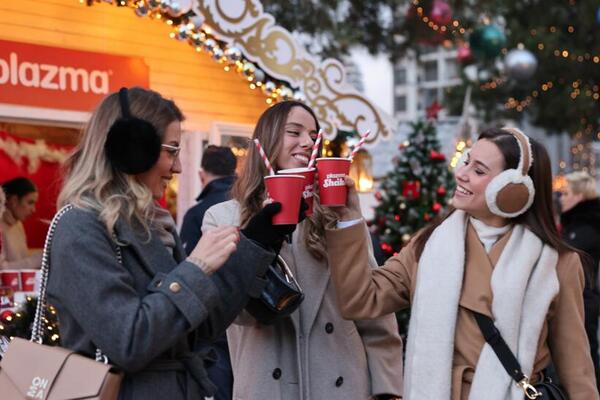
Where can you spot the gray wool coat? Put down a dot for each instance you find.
(314, 354)
(152, 315)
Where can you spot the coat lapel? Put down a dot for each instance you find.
(318, 278)
(152, 254)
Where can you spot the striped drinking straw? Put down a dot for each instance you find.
(264, 157)
(359, 144)
(315, 149)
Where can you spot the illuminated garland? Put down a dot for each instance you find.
(187, 26)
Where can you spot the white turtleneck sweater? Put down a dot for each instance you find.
(488, 235)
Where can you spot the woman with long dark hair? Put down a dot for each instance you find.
(314, 353)
(497, 255)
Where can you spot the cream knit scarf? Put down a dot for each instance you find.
(524, 282)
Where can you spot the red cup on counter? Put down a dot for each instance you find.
(11, 278)
(28, 279)
(287, 190)
(332, 183)
(309, 184)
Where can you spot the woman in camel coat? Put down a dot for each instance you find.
(501, 259)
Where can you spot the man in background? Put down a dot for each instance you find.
(217, 174)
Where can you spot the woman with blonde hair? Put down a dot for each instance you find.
(314, 353)
(580, 227)
(119, 277)
(494, 265)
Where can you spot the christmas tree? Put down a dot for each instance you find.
(415, 191)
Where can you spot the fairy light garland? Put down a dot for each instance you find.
(198, 37)
(455, 27)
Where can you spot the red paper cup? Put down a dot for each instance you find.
(332, 185)
(287, 190)
(11, 278)
(309, 184)
(28, 279)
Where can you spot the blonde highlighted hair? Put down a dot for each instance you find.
(90, 180)
(249, 189)
(581, 182)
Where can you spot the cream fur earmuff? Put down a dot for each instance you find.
(511, 193)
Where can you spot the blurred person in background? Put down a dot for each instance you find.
(21, 197)
(580, 222)
(217, 174)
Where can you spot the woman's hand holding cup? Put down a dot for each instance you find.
(351, 210)
(214, 248)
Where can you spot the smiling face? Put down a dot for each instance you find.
(300, 132)
(157, 177)
(484, 162)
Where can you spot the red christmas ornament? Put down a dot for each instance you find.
(437, 156)
(397, 218)
(7, 316)
(436, 207)
(386, 247)
(426, 217)
(411, 189)
(441, 12)
(441, 191)
(463, 53)
(378, 195)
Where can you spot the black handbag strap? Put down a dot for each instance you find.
(494, 339)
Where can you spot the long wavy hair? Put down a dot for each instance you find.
(249, 189)
(539, 217)
(90, 180)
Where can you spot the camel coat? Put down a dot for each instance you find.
(314, 354)
(363, 293)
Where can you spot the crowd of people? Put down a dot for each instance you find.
(171, 310)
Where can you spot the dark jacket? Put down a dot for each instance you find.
(215, 192)
(151, 315)
(581, 229)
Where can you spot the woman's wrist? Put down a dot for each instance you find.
(200, 264)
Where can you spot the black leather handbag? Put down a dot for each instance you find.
(543, 390)
(280, 297)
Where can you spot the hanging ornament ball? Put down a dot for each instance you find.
(176, 8)
(441, 12)
(487, 41)
(402, 206)
(209, 45)
(299, 96)
(153, 4)
(218, 54)
(463, 53)
(141, 10)
(269, 88)
(436, 207)
(248, 69)
(182, 32)
(520, 64)
(7, 316)
(259, 75)
(441, 191)
(233, 54)
(397, 218)
(286, 93)
(405, 237)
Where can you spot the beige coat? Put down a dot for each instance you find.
(315, 354)
(363, 293)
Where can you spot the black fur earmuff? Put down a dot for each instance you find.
(132, 144)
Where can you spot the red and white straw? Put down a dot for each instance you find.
(264, 157)
(315, 149)
(359, 144)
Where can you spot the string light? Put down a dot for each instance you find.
(201, 40)
(455, 27)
